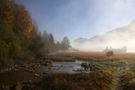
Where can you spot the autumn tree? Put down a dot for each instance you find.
(6, 15)
(6, 19)
(9, 43)
(20, 38)
(23, 22)
(16, 35)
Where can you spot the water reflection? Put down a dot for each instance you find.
(64, 67)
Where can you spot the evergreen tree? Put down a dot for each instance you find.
(36, 44)
(65, 44)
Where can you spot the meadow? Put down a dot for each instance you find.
(99, 56)
(121, 66)
(116, 72)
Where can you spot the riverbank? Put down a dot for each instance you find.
(96, 80)
(67, 74)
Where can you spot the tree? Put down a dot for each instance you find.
(23, 22)
(58, 46)
(49, 41)
(53, 46)
(45, 39)
(6, 15)
(10, 45)
(19, 37)
(65, 44)
(36, 44)
(4, 52)
(6, 19)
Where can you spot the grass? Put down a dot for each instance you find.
(99, 80)
(117, 64)
(127, 80)
(109, 73)
(130, 57)
(12, 77)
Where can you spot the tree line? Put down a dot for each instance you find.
(20, 38)
(53, 46)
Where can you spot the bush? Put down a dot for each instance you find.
(109, 53)
(4, 52)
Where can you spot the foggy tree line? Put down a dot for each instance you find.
(20, 38)
(53, 46)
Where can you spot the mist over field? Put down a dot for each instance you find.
(116, 38)
(42, 44)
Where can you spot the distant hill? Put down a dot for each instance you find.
(117, 38)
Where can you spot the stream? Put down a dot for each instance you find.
(64, 67)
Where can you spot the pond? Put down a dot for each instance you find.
(64, 67)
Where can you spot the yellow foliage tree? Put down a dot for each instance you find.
(23, 22)
(6, 15)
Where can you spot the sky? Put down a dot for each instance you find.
(80, 18)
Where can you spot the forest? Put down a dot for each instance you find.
(32, 59)
(20, 39)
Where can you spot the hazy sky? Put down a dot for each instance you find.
(80, 18)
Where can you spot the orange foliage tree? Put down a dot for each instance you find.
(23, 22)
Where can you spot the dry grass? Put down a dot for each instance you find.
(102, 80)
(99, 56)
(12, 77)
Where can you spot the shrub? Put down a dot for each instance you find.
(109, 53)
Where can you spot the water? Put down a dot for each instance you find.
(64, 67)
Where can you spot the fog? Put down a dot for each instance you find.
(116, 38)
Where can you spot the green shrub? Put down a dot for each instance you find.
(4, 52)
(109, 53)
